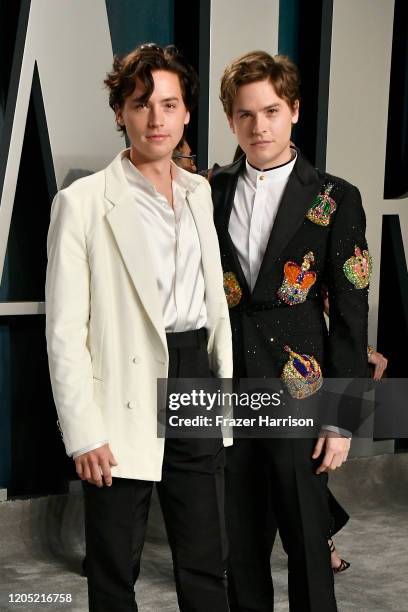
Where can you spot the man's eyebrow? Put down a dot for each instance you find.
(245, 110)
(169, 99)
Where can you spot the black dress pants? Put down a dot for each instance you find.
(270, 480)
(191, 495)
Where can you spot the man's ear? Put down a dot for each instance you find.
(295, 111)
(231, 123)
(119, 115)
(187, 118)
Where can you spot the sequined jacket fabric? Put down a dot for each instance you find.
(317, 240)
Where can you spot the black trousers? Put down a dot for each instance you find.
(269, 482)
(191, 495)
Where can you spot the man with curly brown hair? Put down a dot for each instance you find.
(134, 293)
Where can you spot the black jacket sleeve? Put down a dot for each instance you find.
(347, 350)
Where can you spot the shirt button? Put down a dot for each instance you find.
(261, 178)
(136, 359)
(131, 405)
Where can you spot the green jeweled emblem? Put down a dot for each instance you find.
(358, 268)
(323, 207)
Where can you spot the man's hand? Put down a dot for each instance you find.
(336, 449)
(95, 464)
(379, 362)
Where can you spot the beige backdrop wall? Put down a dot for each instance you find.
(357, 127)
(236, 27)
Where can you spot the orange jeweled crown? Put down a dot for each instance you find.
(297, 280)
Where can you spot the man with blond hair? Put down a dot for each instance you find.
(284, 228)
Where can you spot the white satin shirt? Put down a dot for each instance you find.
(174, 247)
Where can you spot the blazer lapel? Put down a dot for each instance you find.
(223, 197)
(303, 185)
(209, 254)
(126, 225)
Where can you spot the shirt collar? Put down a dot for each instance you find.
(135, 178)
(185, 181)
(181, 177)
(273, 175)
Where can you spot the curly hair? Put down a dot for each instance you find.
(139, 64)
(259, 66)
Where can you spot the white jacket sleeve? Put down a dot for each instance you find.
(67, 322)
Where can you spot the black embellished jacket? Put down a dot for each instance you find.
(317, 240)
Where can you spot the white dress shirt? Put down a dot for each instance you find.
(256, 202)
(175, 251)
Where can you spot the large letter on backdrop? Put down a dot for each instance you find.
(69, 43)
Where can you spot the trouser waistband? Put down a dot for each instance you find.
(194, 338)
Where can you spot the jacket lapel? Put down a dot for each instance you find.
(303, 185)
(223, 196)
(209, 255)
(126, 225)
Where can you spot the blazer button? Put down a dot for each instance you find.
(131, 405)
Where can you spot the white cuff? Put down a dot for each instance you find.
(81, 451)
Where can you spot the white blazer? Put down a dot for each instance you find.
(106, 339)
